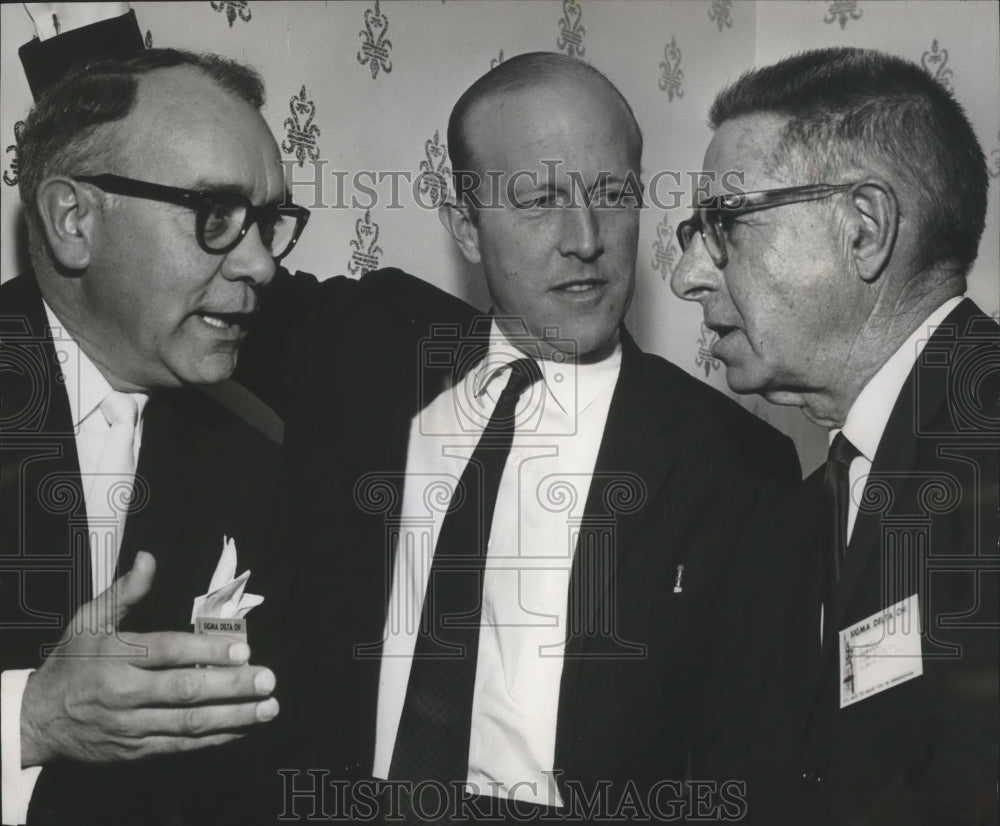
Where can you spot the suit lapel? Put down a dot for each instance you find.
(167, 517)
(633, 461)
(43, 510)
(164, 474)
(892, 481)
(923, 399)
(816, 653)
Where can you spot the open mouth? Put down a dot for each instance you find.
(226, 321)
(581, 286)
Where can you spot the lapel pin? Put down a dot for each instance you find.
(678, 583)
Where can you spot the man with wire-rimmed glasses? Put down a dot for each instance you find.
(156, 210)
(836, 283)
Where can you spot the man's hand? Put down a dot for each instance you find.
(104, 696)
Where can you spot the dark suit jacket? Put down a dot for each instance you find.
(923, 751)
(46, 61)
(203, 473)
(681, 476)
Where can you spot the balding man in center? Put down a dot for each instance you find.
(544, 653)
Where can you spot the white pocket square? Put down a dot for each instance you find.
(225, 598)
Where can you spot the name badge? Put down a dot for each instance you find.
(237, 626)
(880, 652)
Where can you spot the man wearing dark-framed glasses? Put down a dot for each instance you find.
(836, 283)
(156, 212)
(222, 218)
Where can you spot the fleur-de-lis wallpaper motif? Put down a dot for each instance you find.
(233, 9)
(719, 12)
(301, 134)
(704, 359)
(994, 160)
(664, 249)
(496, 61)
(366, 252)
(374, 51)
(11, 179)
(842, 11)
(936, 62)
(571, 30)
(673, 75)
(147, 41)
(434, 171)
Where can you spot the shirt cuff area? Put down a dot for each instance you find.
(17, 783)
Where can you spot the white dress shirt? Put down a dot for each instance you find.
(559, 425)
(86, 388)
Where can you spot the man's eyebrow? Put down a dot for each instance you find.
(608, 180)
(229, 188)
(601, 179)
(220, 187)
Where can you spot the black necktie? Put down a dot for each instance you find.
(432, 742)
(836, 483)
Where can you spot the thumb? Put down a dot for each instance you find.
(126, 591)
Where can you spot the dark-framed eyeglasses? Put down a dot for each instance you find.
(713, 218)
(221, 218)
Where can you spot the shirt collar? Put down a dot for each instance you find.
(868, 416)
(572, 385)
(85, 384)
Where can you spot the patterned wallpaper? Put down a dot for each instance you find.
(359, 95)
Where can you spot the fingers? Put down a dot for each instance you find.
(140, 747)
(197, 686)
(173, 649)
(197, 722)
(113, 604)
(134, 585)
(165, 745)
(101, 709)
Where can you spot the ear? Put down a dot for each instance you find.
(874, 228)
(457, 221)
(69, 214)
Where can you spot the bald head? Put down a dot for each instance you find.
(534, 70)
(65, 132)
(180, 113)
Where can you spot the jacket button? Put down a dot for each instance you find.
(811, 778)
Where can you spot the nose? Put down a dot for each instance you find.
(581, 233)
(250, 260)
(696, 276)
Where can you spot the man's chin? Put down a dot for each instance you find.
(738, 380)
(786, 398)
(744, 382)
(213, 369)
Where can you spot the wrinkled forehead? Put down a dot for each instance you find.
(185, 130)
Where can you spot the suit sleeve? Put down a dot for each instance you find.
(46, 61)
(295, 336)
(307, 329)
